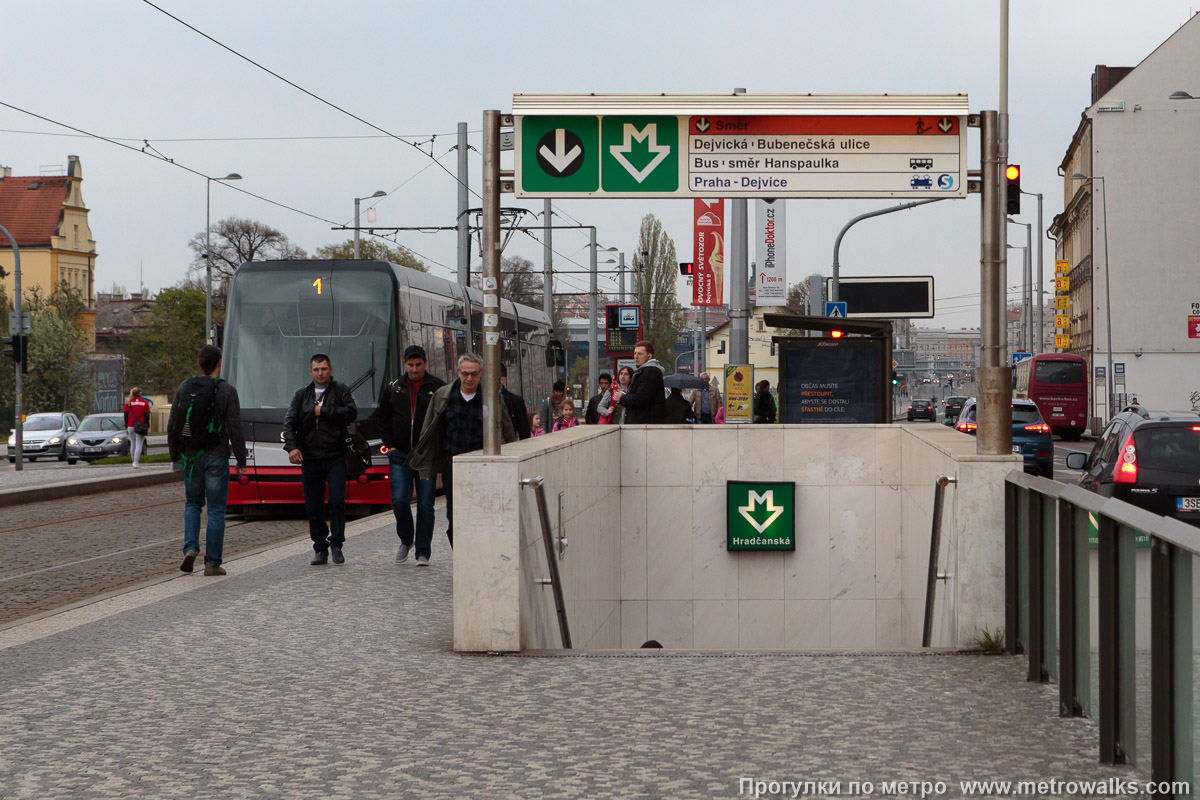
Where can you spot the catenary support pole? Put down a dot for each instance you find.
(491, 283)
(464, 230)
(1041, 286)
(18, 412)
(548, 260)
(739, 277)
(593, 319)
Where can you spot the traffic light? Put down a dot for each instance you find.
(685, 267)
(1012, 186)
(895, 380)
(12, 347)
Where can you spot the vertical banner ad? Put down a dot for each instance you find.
(708, 275)
(739, 393)
(770, 272)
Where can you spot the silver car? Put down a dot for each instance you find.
(44, 435)
(99, 436)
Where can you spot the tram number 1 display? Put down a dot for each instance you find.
(317, 285)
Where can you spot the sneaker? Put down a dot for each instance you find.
(338, 558)
(189, 558)
(422, 561)
(322, 557)
(402, 553)
(211, 570)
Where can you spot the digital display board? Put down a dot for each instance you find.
(622, 329)
(832, 381)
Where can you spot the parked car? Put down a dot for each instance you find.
(1031, 437)
(954, 406)
(1151, 460)
(99, 436)
(43, 435)
(922, 408)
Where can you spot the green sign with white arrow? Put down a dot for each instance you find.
(639, 154)
(760, 516)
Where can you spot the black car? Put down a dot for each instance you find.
(954, 406)
(922, 408)
(1151, 460)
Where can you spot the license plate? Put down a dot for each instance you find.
(91, 449)
(1017, 449)
(1187, 503)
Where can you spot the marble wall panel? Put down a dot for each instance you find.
(760, 624)
(669, 543)
(806, 573)
(852, 542)
(854, 624)
(633, 543)
(807, 624)
(633, 624)
(760, 452)
(806, 454)
(669, 457)
(714, 568)
(714, 455)
(669, 622)
(715, 624)
(852, 459)
(760, 574)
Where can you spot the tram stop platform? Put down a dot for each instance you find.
(291, 681)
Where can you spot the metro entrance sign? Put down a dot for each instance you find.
(770, 146)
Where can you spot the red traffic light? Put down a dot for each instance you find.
(685, 267)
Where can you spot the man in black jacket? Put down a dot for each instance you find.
(400, 415)
(516, 406)
(314, 436)
(645, 402)
(592, 415)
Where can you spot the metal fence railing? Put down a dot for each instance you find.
(1099, 594)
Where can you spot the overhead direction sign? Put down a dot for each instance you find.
(889, 298)
(768, 146)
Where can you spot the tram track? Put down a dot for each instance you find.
(63, 552)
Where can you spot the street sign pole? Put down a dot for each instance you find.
(593, 322)
(994, 436)
(491, 283)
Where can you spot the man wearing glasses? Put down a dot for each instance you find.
(454, 425)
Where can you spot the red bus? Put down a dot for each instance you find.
(1057, 383)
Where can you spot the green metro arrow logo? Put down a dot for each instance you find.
(649, 135)
(767, 499)
(639, 154)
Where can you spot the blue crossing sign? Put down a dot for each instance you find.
(836, 309)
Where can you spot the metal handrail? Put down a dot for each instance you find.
(935, 546)
(555, 579)
(1173, 543)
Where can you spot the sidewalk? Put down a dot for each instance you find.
(289, 681)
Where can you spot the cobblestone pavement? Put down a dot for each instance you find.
(62, 551)
(290, 681)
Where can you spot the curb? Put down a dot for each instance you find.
(57, 491)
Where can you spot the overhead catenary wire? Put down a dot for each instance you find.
(300, 88)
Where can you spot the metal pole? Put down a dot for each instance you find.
(356, 202)
(1041, 301)
(18, 413)
(464, 231)
(548, 261)
(593, 319)
(208, 330)
(1027, 289)
(703, 337)
(739, 276)
(994, 436)
(621, 276)
(1107, 302)
(491, 283)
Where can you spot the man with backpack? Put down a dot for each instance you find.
(314, 436)
(205, 424)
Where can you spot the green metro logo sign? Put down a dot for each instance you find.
(760, 516)
(639, 154)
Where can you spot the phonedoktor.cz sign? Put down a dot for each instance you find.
(760, 515)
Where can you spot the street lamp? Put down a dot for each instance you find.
(208, 326)
(380, 193)
(1079, 176)
(1180, 95)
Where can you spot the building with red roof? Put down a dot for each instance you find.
(47, 217)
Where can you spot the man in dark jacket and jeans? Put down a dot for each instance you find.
(400, 415)
(645, 402)
(207, 475)
(314, 436)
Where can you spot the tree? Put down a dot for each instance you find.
(234, 242)
(797, 296)
(59, 378)
(654, 282)
(163, 355)
(518, 282)
(372, 249)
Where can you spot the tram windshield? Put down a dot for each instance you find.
(278, 319)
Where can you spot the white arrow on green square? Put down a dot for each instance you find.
(560, 154)
(639, 154)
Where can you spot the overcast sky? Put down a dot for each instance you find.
(124, 70)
